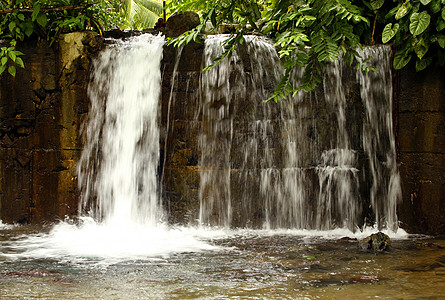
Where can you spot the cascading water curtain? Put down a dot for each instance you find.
(117, 170)
(297, 163)
(338, 199)
(378, 136)
(216, 139)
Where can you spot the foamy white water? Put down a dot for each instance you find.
(5, 226)
(107, 244)
(378, 136)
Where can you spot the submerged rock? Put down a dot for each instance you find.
(377, 242)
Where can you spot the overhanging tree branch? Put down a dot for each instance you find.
(57, 8)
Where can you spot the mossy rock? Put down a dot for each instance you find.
(376, 242)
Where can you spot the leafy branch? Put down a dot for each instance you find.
(47, 19)
(311, 33)
(416, 28)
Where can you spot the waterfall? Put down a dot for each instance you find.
(321, 160)
(338, 199)
(121, 216)
(118, 167)
(232, 139)
(378, 136)
(308, 162)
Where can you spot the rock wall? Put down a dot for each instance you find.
(41, 111)
(420, 99)
(179, 132)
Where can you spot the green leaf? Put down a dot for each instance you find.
(422, 64)
(28, 28)
(419, 22)
(376, 4)
(142, 13)
(2, 69)
(21, 17)
(4, 60)
(19, 62)
(35, 12)
(441, 40)
(12, 70)
(425, 2)
(443, 13)
(440, 25)
(213, 18)
(392, 12)
(12, 55)
(42, 20)
(256, 10)
(420, 46)
(389, 32)
(11, 26)
(403, 10)
(151, 5)
(435, 6)
(401, 58)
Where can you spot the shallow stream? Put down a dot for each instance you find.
(241, 265)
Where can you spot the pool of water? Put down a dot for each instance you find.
(240, 265)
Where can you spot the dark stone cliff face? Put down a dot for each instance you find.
(42, 109)
(179, 133)
(420, 99)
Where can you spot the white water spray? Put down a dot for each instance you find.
(118, 167)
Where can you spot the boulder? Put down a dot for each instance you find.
(181, 22)
(376, 242)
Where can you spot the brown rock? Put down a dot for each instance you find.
(181, 22)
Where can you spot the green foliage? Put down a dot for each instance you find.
(389, 32)
(309, 34)
(376, 4)
(403, 10)
(12, 55)
(47, 19)
(142, 13)
(419, 22)
(416, 28)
